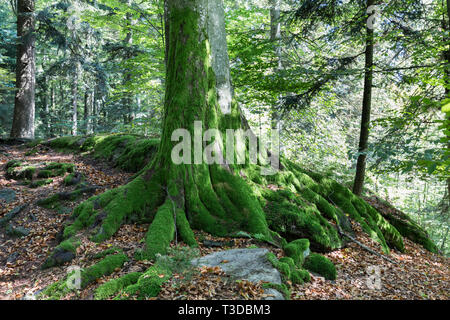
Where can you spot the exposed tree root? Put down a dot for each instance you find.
(225, 200)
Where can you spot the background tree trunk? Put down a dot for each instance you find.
(24, 104)
(75, 98)
(367, 103)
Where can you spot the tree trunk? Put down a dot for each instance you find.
(88, 106)
(200, 195)
(275, 37)
(24, 104)
(447, 82)
(127, 100)
(62, 107)
(367, 102)
(52, 109)
(75, 98)
(275, 29)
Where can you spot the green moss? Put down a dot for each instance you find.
(297, 250)
(44, 173)
(407, 227)
(113, 287)
(279, 287)
(106, 266)
(292, 217)
(56, 291)
(40, 183)
(161, 231)
(103, 268)
(15, 171)
(70, 245)
(31, 152)
(289, 270)
(73, 179)
(149, 283)
(34, 143)
(63, 253)
(107, 252)
(184, 229)
(64, 143)
(13, 164)
(321, 265)
(370, 220)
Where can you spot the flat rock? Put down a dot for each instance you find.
(245, 264)
(7, 195)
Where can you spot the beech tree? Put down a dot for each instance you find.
(221, 198)
(24, 104)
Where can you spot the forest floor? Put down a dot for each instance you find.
(417, 274)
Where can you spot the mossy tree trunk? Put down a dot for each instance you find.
(176, 197)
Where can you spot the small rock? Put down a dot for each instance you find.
(58, 258)
(12, 257)
(7, 195)
(246, 264)
(17, 232)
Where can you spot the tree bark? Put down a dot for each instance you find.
(127, 100)
(75, 98)
(24, 104)
(367, 103)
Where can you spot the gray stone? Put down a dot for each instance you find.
(58, 258)
(17, 232)
(245, 264)
(7, 195)
(12, 257)
(10, 215)
(273, 294)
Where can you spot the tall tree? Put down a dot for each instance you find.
(24, 105)
(367, 102)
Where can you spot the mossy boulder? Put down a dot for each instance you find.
(62, 254)
(148, 284)
(407, 227)
(289, 270)
(298, 250)
(20, 172)
(17, 231)
(40, 183)
(321, 265)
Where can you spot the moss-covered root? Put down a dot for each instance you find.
(321, 265)
(289, 270)
(162, 230)
(370, 220)
(63, 253)
(105, 213)
(70, 283)
(148, 284)
(115, 286)
(298, 250)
